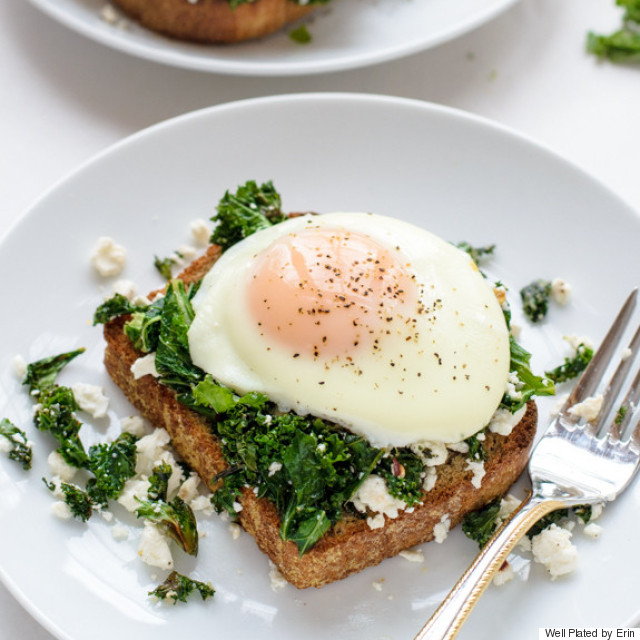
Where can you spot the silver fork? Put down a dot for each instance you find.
(574, 463)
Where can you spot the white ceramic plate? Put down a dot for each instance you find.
(462, 177)
(346, 34)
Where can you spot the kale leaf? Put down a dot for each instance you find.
(164, 266)
(300, 34)
(535, 299)
(480, 525)
(117, 305)
(402, 470)
(477, 254)
(21, 450)
(178, 587)
(42, 374)
(176, 518)
(573, 366)
(112, 465)
(622, 45)
(477, 451)
(55, 413)
(79, 502)
(250, 209)
(159, 482)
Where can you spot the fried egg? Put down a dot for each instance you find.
(360, 319)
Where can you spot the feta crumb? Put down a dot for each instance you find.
(560, 291)
(377, 584)
(516, 330)
(376, 522)
(459, 447)
(107, 257)
(524, 544)
(61, 510)
(626, 354)
(125, 288)
(593, 530)
(508, 505)
(135, 425)
(200, 232)
(188, 490)
(575, 341)
(588, 409)
(119, 532)
(478, 470)
(430, 478)
(596, 511)
(235, 530)
(202, 504)
(154, 548)
(274, 467)
(412, 555)
(60, 468)
(503, 421)
(19, 367)
(504, 575)
(91, 399)
(441, 530)
(432, 454)
(560, 400)
(277, 581)
(187, 251)
(373, 495)
(5, 445)
(133, 488)
(145, 366)
(553, 548)
(237, 507)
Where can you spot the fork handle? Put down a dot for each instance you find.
(447, 620)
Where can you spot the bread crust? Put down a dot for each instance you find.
(351, 545)
(213, 21)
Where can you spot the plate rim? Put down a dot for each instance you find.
(235, 68)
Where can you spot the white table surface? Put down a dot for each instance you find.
(64, 98)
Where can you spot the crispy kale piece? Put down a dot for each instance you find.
(300, 34)
(117, 305)
(112, 465)
(21, 450)
(251, 208)
(573, 366)
(478, 254)
(535, 299)
(55, 413)
(178, 587)
(480, 525)
(402, 470)
(159, 482)
(42, 374)
(164, 266)
(477, 451)
(175, 518)
(79, 502)
(622, 45)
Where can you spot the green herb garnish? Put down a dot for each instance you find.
(178, 587)
(573, 366)
(300, 35)
(78, 501)
(20, 446)
(535, 299)
(480, 525)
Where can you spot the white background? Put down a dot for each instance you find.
(63, 98)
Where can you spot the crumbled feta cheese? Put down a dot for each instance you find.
(588, 409)
(189, 488)
(154, 548)
(200, 232)
(19, 367)
(430, 478)
(459, 447)
(277, 581)
(441, 530)
(107, 257)
(432, 454)
(575, 341)
(626, 354)
(557, 407)
(235, 530)
(478, 470)
(91, 399)
(135, 425)
(560, 291)
(187, 251)
(373, 495)
(202, 504)
(133, 488)
(125, 288)
(593, 530)
(377, 584)
(553, 548)
(145, 366)
(60, 468)
(237, 507)
(516, 330)
(119, 532)
(503, 421)
(274, 467)
(412, 555)
(61, 510)
(513, 385)
(504, 575)
(5, 445)
(508, 505)
(596, 511)
(150, 449)
(376, 522)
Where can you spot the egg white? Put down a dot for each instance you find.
(444, 385)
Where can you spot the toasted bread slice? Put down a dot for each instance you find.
(351, 545)
(211, 21)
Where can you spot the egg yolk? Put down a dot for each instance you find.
(330, 292)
